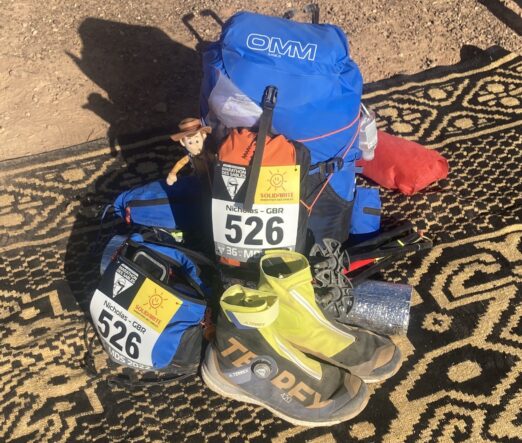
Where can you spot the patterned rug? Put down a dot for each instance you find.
(462, 374)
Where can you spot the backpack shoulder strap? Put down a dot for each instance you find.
(265, 124)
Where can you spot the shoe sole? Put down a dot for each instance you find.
(388, 370)
(395, 364)
(220, 385)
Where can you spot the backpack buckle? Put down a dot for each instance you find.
(330, 166)
(269, 97)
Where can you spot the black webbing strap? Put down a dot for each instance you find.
(265, 124)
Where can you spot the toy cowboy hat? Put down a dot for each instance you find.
(189, 127)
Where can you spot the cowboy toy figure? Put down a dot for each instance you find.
(192, 137)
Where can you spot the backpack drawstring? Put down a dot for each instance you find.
(345, 153)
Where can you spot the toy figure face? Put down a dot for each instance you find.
(194, 143)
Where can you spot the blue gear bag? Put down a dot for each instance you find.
(149, 308)
(157, 204)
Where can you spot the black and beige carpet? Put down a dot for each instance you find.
(462, 374)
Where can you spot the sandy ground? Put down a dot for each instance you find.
(76, 71)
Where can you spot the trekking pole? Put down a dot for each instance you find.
(384, 239)
(265, 124)
(383, 257)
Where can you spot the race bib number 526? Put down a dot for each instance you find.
(272, 222)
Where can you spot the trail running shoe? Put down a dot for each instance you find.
(370, 356)
(251, 362)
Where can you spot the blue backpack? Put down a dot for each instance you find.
(318, 103)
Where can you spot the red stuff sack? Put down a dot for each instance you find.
(404, 165)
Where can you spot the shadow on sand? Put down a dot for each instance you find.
(143, 72)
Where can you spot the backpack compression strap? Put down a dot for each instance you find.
(265, 124)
